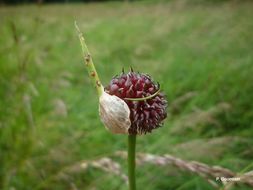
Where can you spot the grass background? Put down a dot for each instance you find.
(48, 109)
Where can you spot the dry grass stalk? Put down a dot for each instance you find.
(200, 148)
(208, 172)
(105, 164)
(177, 103)
(110, 166)
(201, 117)
(28, 110)
(60, 108)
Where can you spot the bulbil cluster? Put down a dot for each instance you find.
(142, 95)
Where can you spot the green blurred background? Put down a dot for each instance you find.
(200, 51)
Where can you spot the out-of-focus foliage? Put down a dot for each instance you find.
(55, 1)
(90, 1)
(200, 52)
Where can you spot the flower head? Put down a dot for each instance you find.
(142, 95)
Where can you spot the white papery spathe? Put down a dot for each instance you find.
(114, 113)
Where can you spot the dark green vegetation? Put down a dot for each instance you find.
(200, 52)
(51, 1)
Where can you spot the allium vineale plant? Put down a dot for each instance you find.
(131, 104)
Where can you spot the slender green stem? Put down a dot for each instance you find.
(89, 63)
(131, 161)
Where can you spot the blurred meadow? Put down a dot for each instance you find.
(200, 51)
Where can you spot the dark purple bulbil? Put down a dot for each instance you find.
(145, 115)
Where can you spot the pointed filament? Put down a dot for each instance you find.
(144, 98)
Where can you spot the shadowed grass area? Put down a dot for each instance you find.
(48, 109)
